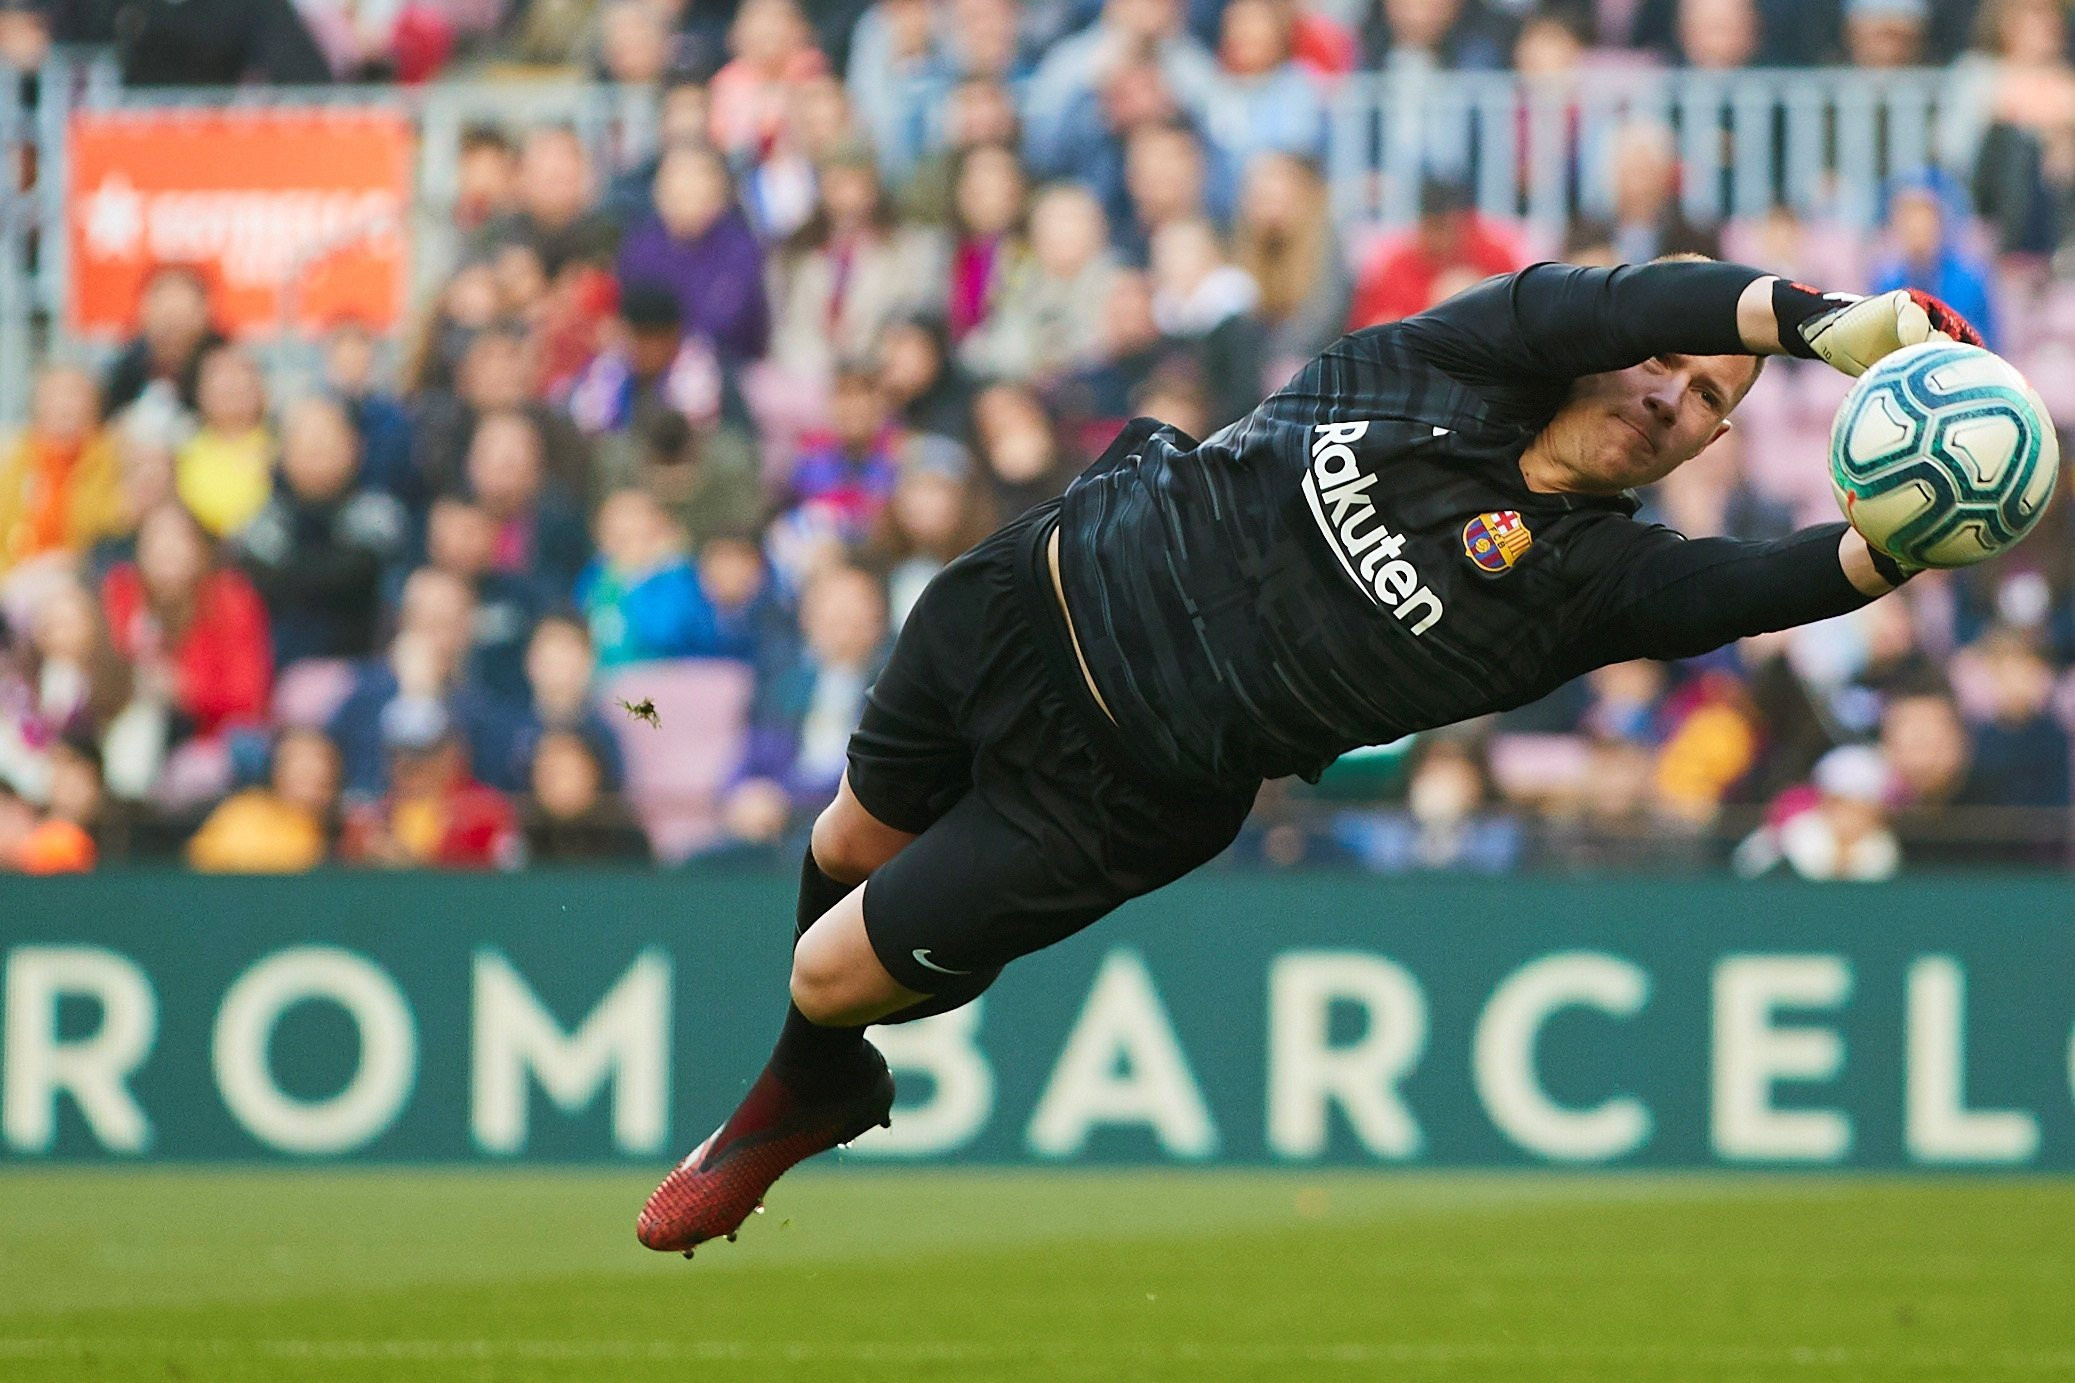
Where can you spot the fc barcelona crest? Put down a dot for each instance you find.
(1495, 541)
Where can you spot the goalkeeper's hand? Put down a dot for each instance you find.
(1854, 336)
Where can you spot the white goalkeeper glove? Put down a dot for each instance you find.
(1853, 337)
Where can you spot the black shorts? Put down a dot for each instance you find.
(981, 738)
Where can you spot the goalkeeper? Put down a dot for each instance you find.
(1431, 522)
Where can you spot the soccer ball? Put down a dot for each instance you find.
(1942, 455)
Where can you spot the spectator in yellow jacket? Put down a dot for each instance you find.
(61, 479)
(225, 472)
(283, 827)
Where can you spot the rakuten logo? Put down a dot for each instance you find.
(1337, 490)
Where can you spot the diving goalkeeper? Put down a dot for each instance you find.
(1431, 522)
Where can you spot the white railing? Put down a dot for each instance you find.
(1820, 141)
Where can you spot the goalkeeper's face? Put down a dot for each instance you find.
(1631, 427)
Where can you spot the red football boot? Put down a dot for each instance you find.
(714, 1190)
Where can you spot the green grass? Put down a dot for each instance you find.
(453, 1275)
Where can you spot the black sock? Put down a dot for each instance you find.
(956, 993)
(818, 893)
(810, 1057)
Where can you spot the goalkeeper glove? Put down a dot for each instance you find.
(1852, 333)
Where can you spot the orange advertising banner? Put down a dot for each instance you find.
(297, 217)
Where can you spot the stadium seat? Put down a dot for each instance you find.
(677, 768)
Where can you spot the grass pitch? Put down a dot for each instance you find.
(451, 1275)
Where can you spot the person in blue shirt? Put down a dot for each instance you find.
(1925, 217)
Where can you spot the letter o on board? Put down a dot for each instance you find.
(371, 1098)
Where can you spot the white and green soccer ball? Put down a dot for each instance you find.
(1942, 455)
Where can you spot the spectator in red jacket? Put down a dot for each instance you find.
(436, 815)
(195, 631)
(1451, 248)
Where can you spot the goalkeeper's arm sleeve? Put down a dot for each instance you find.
(1672, 597)
(1560, 321)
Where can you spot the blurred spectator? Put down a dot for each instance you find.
(1927, 748)
(1286, 243)
(1718, 35)
(698, 244)
(174, 331)
(1925, 217)
(62, 677)
(486, 178)
(555, 214)
(634, 43)
(1169, 176)
(704, 477)
(25, 38)
(2024, 171)
(551, 33)
(66, 838)
(641, 594)
(378, 417)
(539, 533)
(1126, 33)
(560, 667)
(1267, 103)
(936, 512)
(1098, 398)
(434, 814)
(773, 49)
(223, 472)
(498, 373)
(523, 280)
(285, 826)
(60, 479)
(194, 630)
(461, 541)
(1447, 823)
(1176, 396)
(462, 310)
(218, 43)
(1885, 33)
(2021, 750)
(1647, 220)
(1617, 826)
(804, 712)
(1203, 299)
(1842, 835)
(988, 245)
(570, 817)
(842, 478)
(779, 190)
(684, 120)
(318, 550)
(383, 41)
(1019, 450)
(1451, 248)
(985, 39)
(751, 621)
(929, 390)
(851, 270)
(428, 659)
(1047, 317)
(893, 61)
(647, 368)
(979, 110)
(33, 842)
(1468, 35)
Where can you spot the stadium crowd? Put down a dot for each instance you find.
(597, 561)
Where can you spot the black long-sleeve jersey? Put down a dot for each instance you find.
(1360, 557)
